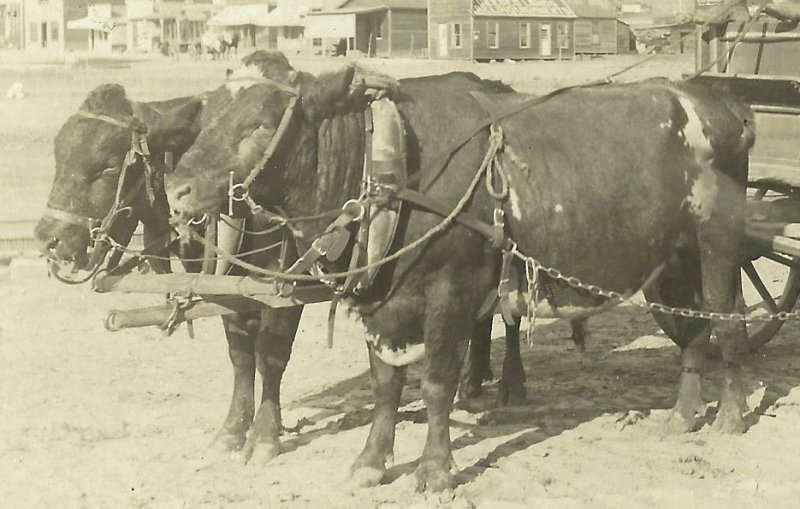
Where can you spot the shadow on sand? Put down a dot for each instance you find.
(565, 388)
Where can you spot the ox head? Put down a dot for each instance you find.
(95, 175)
(89, 156)
(268, 127)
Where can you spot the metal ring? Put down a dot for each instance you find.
(232, 192)
(196, 222)
(362, 209)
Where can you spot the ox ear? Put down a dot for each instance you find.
(177, 128)
(330, 90)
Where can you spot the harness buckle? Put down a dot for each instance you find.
(499, 217)
(347, 209)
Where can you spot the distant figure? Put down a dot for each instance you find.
(15, 91)
(211, 45)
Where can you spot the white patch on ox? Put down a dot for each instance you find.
(666, 125)
(559, 208)
(397, 358)
(703, 193)
(244, 77)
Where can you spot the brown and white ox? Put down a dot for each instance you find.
(606, 184)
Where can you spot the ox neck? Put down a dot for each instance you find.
(323, 168)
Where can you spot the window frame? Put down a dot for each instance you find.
(527, 33)
(496, 44)
(457, 39)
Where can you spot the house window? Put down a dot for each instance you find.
(595, 33)
(563, 36)
(492, 35)
(524, 35)
(316, 41)
(456, 35)
(379, 28)
(53, 31)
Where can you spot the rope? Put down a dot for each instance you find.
(113, 243)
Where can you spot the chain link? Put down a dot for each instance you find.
(574, 282)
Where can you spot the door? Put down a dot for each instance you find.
(44, 35)
(545, 40)
(443, 31)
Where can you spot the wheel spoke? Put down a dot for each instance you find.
(758, 284)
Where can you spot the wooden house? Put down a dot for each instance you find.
(597, 29)
(151, 23)
(45, 23)
(105, 27)
(11, 24)
(500, 29)
(382, 28)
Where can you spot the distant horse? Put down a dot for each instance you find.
(210, 44)
(229, 45)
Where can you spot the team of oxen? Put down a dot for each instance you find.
(627, 187)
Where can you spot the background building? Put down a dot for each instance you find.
(499, 29)
(382, 28)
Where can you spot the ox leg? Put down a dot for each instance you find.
(682, 288)
(579, 333)
(512, 385)
(240, 331)
(722, 294)
(387, 386)
(478, 368)
(444, 354)
(274, 347)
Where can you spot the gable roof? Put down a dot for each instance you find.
(593, 8)
(523, 8)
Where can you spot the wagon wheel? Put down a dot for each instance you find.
(771, 282)
(772, 298)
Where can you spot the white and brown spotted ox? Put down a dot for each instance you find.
(606, 184)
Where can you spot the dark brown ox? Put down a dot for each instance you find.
(89, 153)
(606, 184)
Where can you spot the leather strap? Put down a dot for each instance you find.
(465, 218)
(72, 218)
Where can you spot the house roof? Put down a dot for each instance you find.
(357, 5)
(523, 8)
(593, 8)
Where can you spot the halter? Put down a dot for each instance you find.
(99, 228)
(241, 192)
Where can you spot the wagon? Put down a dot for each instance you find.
(760, 62)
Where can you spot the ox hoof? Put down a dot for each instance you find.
(729, 421)
(513, 395)
(228, 441)
(678, 423)
(260, 453)
(433, 477)
(365, 476)
(263, 441)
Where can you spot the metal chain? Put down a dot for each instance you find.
(574, 282)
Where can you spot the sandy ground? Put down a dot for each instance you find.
(94, 419)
